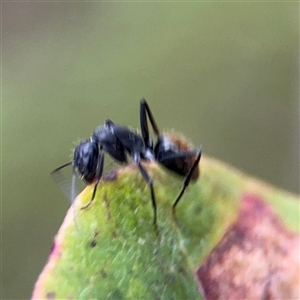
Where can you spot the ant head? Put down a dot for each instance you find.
(176, 154)
(85, 160)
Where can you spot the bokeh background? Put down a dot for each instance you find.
(224, 74)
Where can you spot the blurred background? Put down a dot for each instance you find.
(224, 74)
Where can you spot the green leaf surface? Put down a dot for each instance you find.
(116, 252)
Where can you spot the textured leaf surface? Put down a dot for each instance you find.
(117, 253)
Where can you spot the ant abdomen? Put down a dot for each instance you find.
(176, 154)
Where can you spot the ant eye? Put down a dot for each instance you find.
(85, 160)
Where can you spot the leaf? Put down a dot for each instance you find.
(226, 225)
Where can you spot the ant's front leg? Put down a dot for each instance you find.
(98, 176)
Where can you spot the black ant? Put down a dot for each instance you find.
(120, 142)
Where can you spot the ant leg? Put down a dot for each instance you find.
(98, 176)
(144, 112)
(150, 184)
(187, 180)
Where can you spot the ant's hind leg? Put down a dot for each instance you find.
(98, 177)
(144, 112)
(187, 180)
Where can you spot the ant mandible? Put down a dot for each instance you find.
(120, 142)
